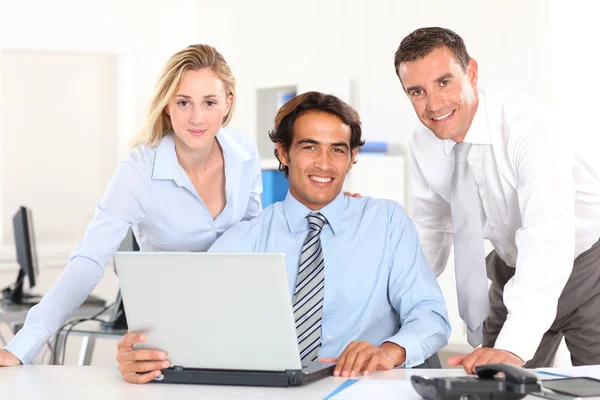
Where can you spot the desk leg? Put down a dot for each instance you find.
(59, 346)
(88, 343)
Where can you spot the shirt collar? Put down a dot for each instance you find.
(233, 149)
(296, 212)
(166, 165)
(479, 131)
(165, 161)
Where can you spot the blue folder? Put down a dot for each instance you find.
(275, 187)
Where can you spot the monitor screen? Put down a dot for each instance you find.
(25, 244)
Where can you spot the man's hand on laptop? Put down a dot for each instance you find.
(366, 358)
(8, 359)
(138, 365)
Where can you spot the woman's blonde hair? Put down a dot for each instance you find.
(192, 58)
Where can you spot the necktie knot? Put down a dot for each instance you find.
(316, 221)
(461, 151)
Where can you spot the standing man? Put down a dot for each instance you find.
(488, 165)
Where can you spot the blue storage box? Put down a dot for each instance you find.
(275, 187)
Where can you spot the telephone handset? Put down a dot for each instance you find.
(515, 384)
(512, 373)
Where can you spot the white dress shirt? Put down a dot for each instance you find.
(541, 206)
(150, 192)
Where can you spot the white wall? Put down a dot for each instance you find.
(575, 67)
(142, 34)
(324, 43)
(77, 105)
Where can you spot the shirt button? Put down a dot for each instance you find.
(329, 336)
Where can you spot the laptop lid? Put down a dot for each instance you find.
(210, 310)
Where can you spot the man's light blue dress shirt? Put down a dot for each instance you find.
(150, 192)
(376, 276)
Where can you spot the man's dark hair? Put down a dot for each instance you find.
(312, 101)
(423, 41)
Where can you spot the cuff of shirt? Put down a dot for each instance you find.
(412, 347)
(24, 346)
(517, 338)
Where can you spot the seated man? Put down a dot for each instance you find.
(362, 291)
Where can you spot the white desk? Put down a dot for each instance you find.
(57, 383)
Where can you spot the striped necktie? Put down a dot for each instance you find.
(308, 296)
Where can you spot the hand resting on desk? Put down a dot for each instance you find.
(364, 357)
(8, 359)
(139, 365)
(482, 356)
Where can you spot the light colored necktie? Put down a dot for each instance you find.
(469, 253)
(308, 296)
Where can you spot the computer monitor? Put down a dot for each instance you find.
(26, 253)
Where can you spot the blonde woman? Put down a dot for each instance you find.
(180, 188)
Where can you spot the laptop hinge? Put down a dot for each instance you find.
(293, 376)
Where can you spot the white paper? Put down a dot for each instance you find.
(592, 371)
(379, 389)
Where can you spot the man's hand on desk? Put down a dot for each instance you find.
(139, 366)
(8, 359)
(482, 356)
(366, 358)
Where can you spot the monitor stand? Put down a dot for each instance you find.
(14, 294)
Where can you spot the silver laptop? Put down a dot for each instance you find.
(221, 318)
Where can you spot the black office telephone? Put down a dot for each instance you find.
(515, 384)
